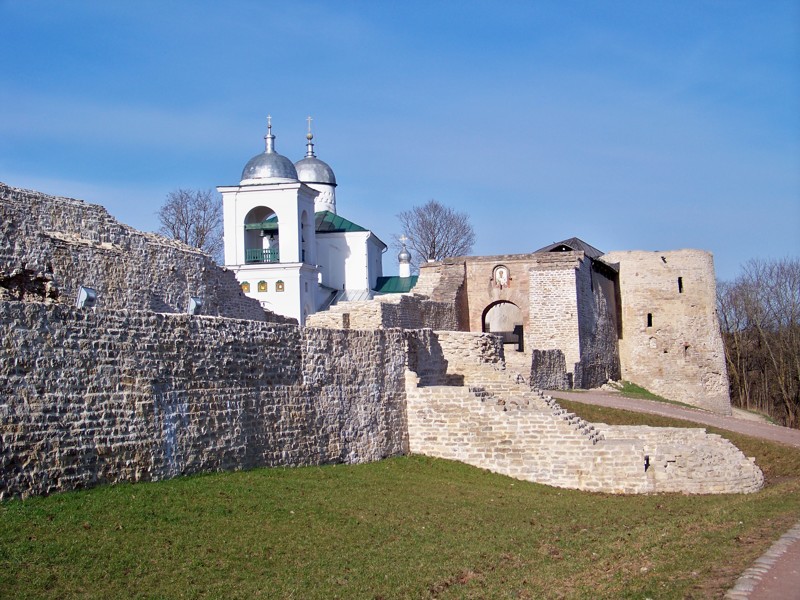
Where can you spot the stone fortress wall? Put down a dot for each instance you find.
(100, 396)
(125, 392)
(384, 312)
(62, 243)
(573, 322)
(670, 338)
(586, 320)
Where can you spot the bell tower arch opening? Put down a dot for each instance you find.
(261, 236)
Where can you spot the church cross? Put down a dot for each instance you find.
(403, 239)
(309, 119)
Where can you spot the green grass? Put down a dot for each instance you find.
(631, 390)
(409, 527)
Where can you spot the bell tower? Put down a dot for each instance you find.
(269, 233)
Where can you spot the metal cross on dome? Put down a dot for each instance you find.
(309, 119)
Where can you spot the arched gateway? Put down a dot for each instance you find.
(504, 318)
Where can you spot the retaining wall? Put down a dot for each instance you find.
(90, 397)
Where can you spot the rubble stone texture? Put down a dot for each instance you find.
(135, 390)
(680, 355)
(78, 243)
(90, 397)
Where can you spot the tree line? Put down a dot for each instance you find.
(759, 315)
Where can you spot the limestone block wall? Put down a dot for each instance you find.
(77, 243)
(453, 357)
(553, 323)
(445, 282)
(385, 312)
(481, 292)
(493, 423)
(690, 460)
(671, 343)
(525, 442)
(429, 276)
(90, 396)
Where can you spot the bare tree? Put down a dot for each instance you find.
(195, 218)
(760, 320)
(434, 231)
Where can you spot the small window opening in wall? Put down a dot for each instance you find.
(680, 285)
(649, 319)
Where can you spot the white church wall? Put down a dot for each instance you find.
(375, 260)
(331, 252)
(357, 260)
(288, 201)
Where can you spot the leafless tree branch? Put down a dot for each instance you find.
(194, 217)
(434, 232)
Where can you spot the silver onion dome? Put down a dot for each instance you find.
(404, 256)
(269, 164)
(311, 169)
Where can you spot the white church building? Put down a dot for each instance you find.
(286, 243)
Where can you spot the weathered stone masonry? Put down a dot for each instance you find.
(76, 243)
(136, 391)
(670, 340)
(90, 397)
(477, 414)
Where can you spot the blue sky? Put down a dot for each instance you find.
(632, 125)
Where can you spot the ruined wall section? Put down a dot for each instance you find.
(89, 397)
(386, 312)
(671, 342)
(75, 243)
(553, 323)
(429, 276)
(445, 282)
(492, 422)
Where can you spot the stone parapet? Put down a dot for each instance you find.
(405, 311)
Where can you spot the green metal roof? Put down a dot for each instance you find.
(324, 222)
(395, 284)
(328, 222)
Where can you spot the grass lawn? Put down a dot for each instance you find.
(631, 390)
(410, 527)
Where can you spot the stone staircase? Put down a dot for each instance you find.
(481, 415)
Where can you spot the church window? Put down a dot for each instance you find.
(649, 319)
(680, 285)
(246, 287)
(262, 286)
(279, 286)
(306, 286)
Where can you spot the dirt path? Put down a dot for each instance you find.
(775, 433)
(777, 573)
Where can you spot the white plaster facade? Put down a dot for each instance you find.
(350, 260)
(293, 250)
(272, 244)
